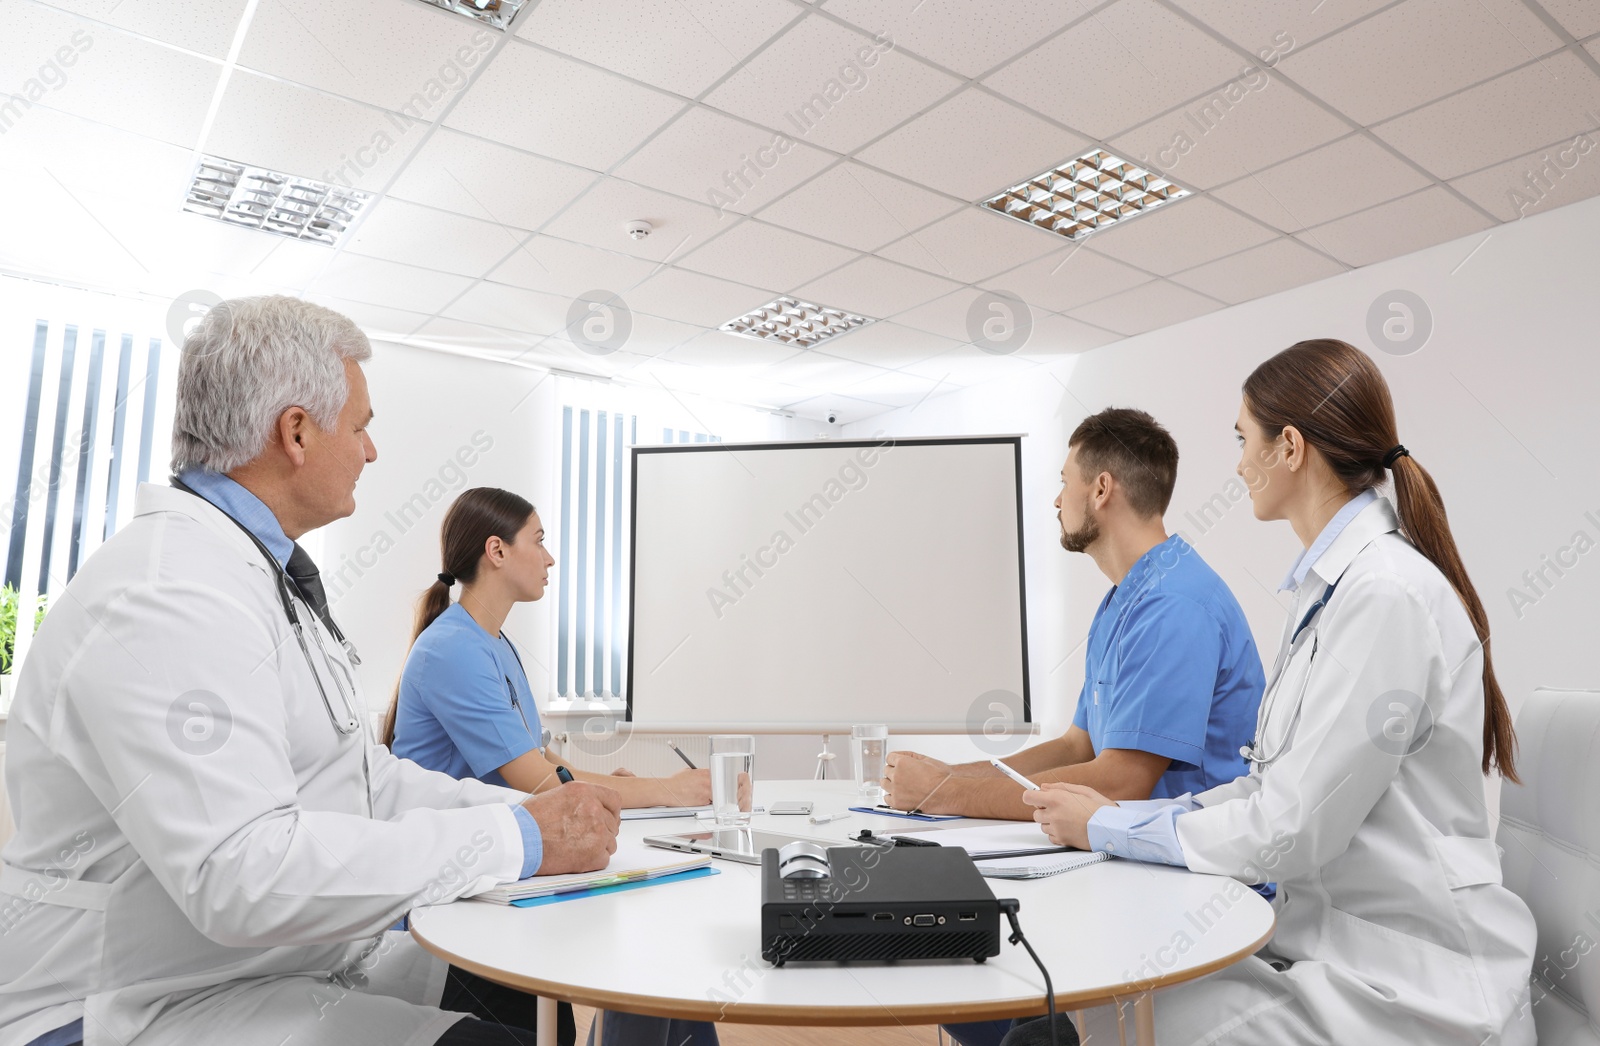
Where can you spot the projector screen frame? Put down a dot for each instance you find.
(1027, 726)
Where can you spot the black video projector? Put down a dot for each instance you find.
(859, 903)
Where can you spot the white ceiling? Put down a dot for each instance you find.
(507, 165)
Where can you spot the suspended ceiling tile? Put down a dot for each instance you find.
(1157, 304)
(766, 255)
(207, 28)
(377, 321)
(1317, 187)
(482, 179)
(416, 235)
(1545, 101)
(972, 146)
(509, 308)
(680, 45)
(714, 348)
(1278, 28)
(557, 266)
(1067, 278)
(966, 366)
(875, 288)
(302, 132)
(968, 38)
(1259, 271)
(388, 283)
(957, 316)
(1117, 68)
(560, 108)
(1398, 227)
(888, 344)
(1376, 68)
(1056, 336)
(600, 217)
(972, 244)
(831, 86)
(73, 149)
(728, 164)
(56, 60)
(459, 334)
(409, 58)
(1179, 236)
(1581, 18)
(1566, 172)
(1241, 126)
(897, 389)
(693, 297)
(858, 207)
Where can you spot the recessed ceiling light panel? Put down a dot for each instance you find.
(497, 13)
(256, 198)
(1085, 195)
(790, 321)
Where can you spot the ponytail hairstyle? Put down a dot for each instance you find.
(473, 518)
(1336, 397)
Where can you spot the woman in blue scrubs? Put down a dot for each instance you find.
(465, 707)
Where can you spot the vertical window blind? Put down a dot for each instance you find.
(87, 438)
(591, 629)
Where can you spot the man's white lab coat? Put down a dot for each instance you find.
(200, 855)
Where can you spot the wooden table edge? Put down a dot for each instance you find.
(819, 1015)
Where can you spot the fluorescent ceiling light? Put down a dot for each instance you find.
(497, 13)
(1086, 194)
(791, 321)
(256, 198)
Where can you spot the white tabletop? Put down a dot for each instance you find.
(693, 948)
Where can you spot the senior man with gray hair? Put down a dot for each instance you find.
(210, 848)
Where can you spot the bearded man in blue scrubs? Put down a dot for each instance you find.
(1172, 679)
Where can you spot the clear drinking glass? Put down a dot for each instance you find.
(869, 743)
(727, 804)
(735, 743)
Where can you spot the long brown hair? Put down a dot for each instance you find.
(473, 518)
(1336, 397)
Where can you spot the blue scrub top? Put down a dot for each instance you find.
(1172, 669)
(466, 708)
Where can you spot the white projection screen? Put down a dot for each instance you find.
(805, 587)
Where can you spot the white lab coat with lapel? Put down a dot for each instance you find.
(171, 889)
(1372, 822)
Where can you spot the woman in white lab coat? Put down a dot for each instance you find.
(1365, 800)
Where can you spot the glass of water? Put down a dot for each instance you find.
(730, 802)
(869, 743)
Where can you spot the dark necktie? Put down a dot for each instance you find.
(303, 572)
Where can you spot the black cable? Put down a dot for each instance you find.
(1010, 906)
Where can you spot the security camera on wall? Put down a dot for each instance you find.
(833, 417)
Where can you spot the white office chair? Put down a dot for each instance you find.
(1550, 838)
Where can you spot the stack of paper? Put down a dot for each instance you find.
(633, 862)
(1039, 866)
(995, 840)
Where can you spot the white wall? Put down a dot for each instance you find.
(429, 407)
(1499, 404)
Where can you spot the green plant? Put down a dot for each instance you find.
(9, 600)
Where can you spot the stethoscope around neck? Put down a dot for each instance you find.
(350, 722)
(1255, 752)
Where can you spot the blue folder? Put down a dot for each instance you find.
(884, 811)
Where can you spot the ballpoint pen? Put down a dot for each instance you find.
(689, 762)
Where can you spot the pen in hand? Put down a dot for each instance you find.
(689, 762)
(1023, 781)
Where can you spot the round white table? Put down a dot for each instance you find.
(1118, 930)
